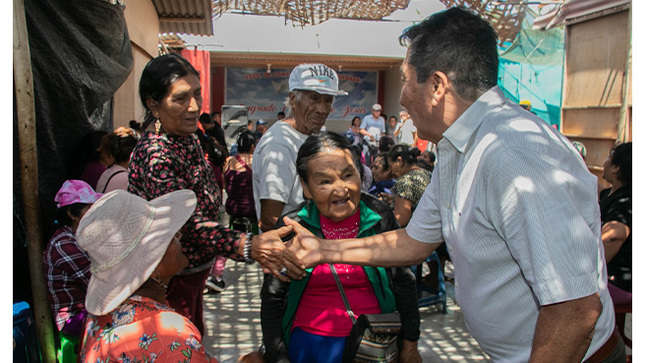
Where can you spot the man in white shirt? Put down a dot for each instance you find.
(512, 199)
(276, 187)
(406, 131)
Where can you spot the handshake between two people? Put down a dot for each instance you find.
(287, 251)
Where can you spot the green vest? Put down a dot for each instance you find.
(377, 276)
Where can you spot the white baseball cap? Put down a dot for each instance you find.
(315, 77)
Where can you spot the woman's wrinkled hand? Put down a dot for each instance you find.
(304, 245)
(275, 256)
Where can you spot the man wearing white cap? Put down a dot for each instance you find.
(276, 187)
(373, 125)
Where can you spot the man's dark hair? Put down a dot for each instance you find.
(621, 156)
(458, 43)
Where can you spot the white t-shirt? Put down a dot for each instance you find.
(406, 136)
(274, 167)
(518, 210)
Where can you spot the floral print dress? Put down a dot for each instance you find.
(164, 163)
(142, 330)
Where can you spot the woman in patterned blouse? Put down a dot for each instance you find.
(169, 157)
(411, 181)
(135, 250)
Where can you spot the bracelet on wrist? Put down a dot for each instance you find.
(247, 248)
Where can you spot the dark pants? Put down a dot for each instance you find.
(186, 295)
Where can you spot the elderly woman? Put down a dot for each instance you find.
(135, 250)
(306, 321)
(169, 157)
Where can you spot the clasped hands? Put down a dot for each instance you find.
(287, 260)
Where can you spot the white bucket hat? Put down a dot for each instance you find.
(126, 237)
(315, 77)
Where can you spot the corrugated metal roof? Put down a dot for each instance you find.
(574, 11)
(185, 16)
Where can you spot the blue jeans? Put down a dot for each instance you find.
(311, 348)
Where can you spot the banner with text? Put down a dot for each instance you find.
(264, 93)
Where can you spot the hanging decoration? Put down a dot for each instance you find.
(312, 12)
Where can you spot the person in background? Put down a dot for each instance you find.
(119, 144)
(169, 157)
(426, 160)
(136, 126)
(217, 117)
(383, 180)
(373, 125)
(511, 197)
(616, 217)
(238, 181)
(89, 160)
(385, 143)
(206, 120)
(281, 116)
(260, 129)
(276, 188)
(65, 265)
(392, 125)
(249, 125)
(306, 321)
(411, 181)
(135, 251)
(407, 133)
(353, 134)
(365, 172)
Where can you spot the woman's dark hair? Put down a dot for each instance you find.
(120, 143)
(157, 77)
(245, 140)
(407, 154)
(314, 145)
(385, 143)
(383, 156)
(359, 119)
(621, 156)
(63, 218)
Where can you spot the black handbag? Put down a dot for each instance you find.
(374, 337)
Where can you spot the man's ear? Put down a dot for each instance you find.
(439, 83)
(305, 189)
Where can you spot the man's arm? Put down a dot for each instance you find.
(564, 330)
(270, 211)
(614, 234)
(393, 248)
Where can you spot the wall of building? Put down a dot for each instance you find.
(596, 57)
(143, 28)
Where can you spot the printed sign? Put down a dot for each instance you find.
(264, 94)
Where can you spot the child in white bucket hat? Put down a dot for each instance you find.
(134, 250)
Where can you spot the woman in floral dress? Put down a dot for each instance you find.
(135, 250)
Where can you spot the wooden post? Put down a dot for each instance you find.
(624, 117)
(25, 111)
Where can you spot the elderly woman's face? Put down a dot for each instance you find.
(179, 110)
(334, 184)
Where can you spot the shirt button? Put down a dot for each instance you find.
(460, 214)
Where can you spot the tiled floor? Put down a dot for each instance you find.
(233, 322)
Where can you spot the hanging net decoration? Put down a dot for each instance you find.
(312, 12)
(505, 17)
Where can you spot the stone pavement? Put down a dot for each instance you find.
(232, 321)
